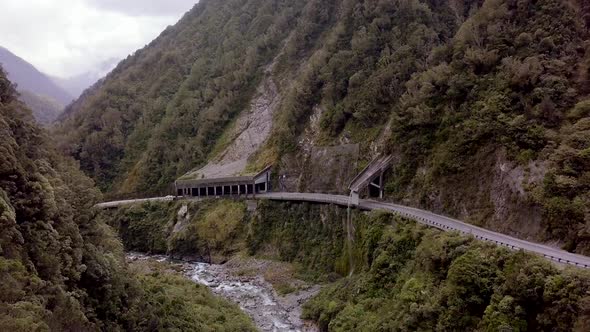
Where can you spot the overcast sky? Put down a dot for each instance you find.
(69, 37)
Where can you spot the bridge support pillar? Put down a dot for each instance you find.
(381, 185)
(354, 198)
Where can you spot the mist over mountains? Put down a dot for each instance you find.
(47, 96)
(29, 78)
(75, 85)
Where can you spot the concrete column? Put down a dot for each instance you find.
(222, 190)
(354, 198)
(381, 185)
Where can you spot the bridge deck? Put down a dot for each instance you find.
(421, 216)
(443, 223)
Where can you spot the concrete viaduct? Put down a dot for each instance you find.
(372, 175)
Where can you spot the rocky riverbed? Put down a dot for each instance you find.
(257, 297)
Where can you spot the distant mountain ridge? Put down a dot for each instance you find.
(27, 77)
(46, 98)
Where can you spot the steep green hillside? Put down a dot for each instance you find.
(159, 112)
(51, 250)
(483, 104)
(411, 278)
(206, 231)
(63, 269)
(501, 116)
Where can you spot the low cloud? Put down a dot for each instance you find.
(143, 7)
(67, 38)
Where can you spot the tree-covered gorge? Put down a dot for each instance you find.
(379, 272)
(61, 267)
(52, 251)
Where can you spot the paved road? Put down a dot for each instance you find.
(421, 216)
(133, 201)
(443, 223)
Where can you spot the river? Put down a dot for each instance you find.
(269, 311)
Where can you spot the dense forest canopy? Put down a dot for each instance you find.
(411, 278)
(61, 267)
(53, 254)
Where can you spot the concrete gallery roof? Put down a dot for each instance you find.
(231, 180)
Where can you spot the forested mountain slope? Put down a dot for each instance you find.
(61, 267)
(160, 111)
(483, 103)
(52, 252)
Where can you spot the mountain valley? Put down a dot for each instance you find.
(480, 107)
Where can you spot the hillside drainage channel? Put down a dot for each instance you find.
(254, 295)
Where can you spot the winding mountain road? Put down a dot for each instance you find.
(421, 216)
